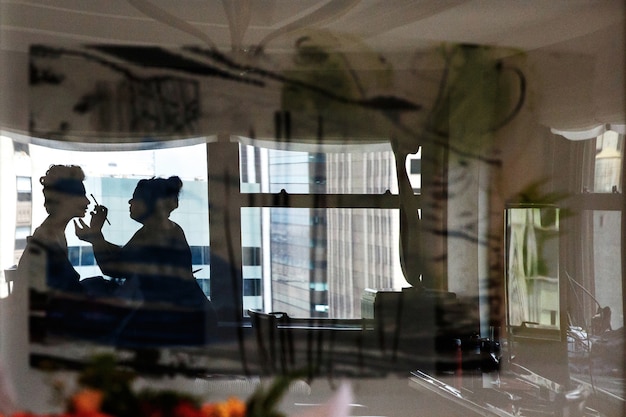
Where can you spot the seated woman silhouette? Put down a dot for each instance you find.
(45, 273)
(45, 260)
(156, 263)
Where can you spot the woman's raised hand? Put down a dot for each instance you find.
(93, 231)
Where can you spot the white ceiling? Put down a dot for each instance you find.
(275, 24)
(575, 90)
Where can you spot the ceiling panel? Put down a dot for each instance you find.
(382, 24)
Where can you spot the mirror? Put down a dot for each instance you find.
(532, 269)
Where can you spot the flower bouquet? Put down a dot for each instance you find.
(105, 390)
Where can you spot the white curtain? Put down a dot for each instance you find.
(591, 132)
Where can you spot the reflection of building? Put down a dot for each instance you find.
(299, 273)
(15, 219)
(23, 209)
(322, 260)
(363, 243)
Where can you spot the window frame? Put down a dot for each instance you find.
(582, 203)
(225, 218)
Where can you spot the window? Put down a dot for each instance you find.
(297, 172)
(74, 255)
(608, 163)
(22, 232)
(600, 226)
(608, 263)
(111, 177)
(316, 228)
(251, 256)
(594, 258)
(24, 188)
(602, 164)
(87, 256)
(317, 262)
(251, 287)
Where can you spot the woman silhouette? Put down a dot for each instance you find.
(156, 263)
(45, 259)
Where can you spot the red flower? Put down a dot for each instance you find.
(186, 409)
(86, 403)
(209, 410)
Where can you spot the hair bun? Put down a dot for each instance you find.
(174, 183)
(61, 174)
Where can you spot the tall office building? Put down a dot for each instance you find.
(321, 260)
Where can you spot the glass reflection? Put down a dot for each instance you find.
(533, 266)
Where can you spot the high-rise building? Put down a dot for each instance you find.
(322, 259)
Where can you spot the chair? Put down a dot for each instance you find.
(275, 345)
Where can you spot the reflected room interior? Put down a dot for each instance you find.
(437, 221)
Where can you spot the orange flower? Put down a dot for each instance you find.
(87, 401)
(236, 407)
(233, 407)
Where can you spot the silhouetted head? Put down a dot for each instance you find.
(156, 195)
(64, 191)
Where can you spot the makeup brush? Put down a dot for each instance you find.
(97, 204)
